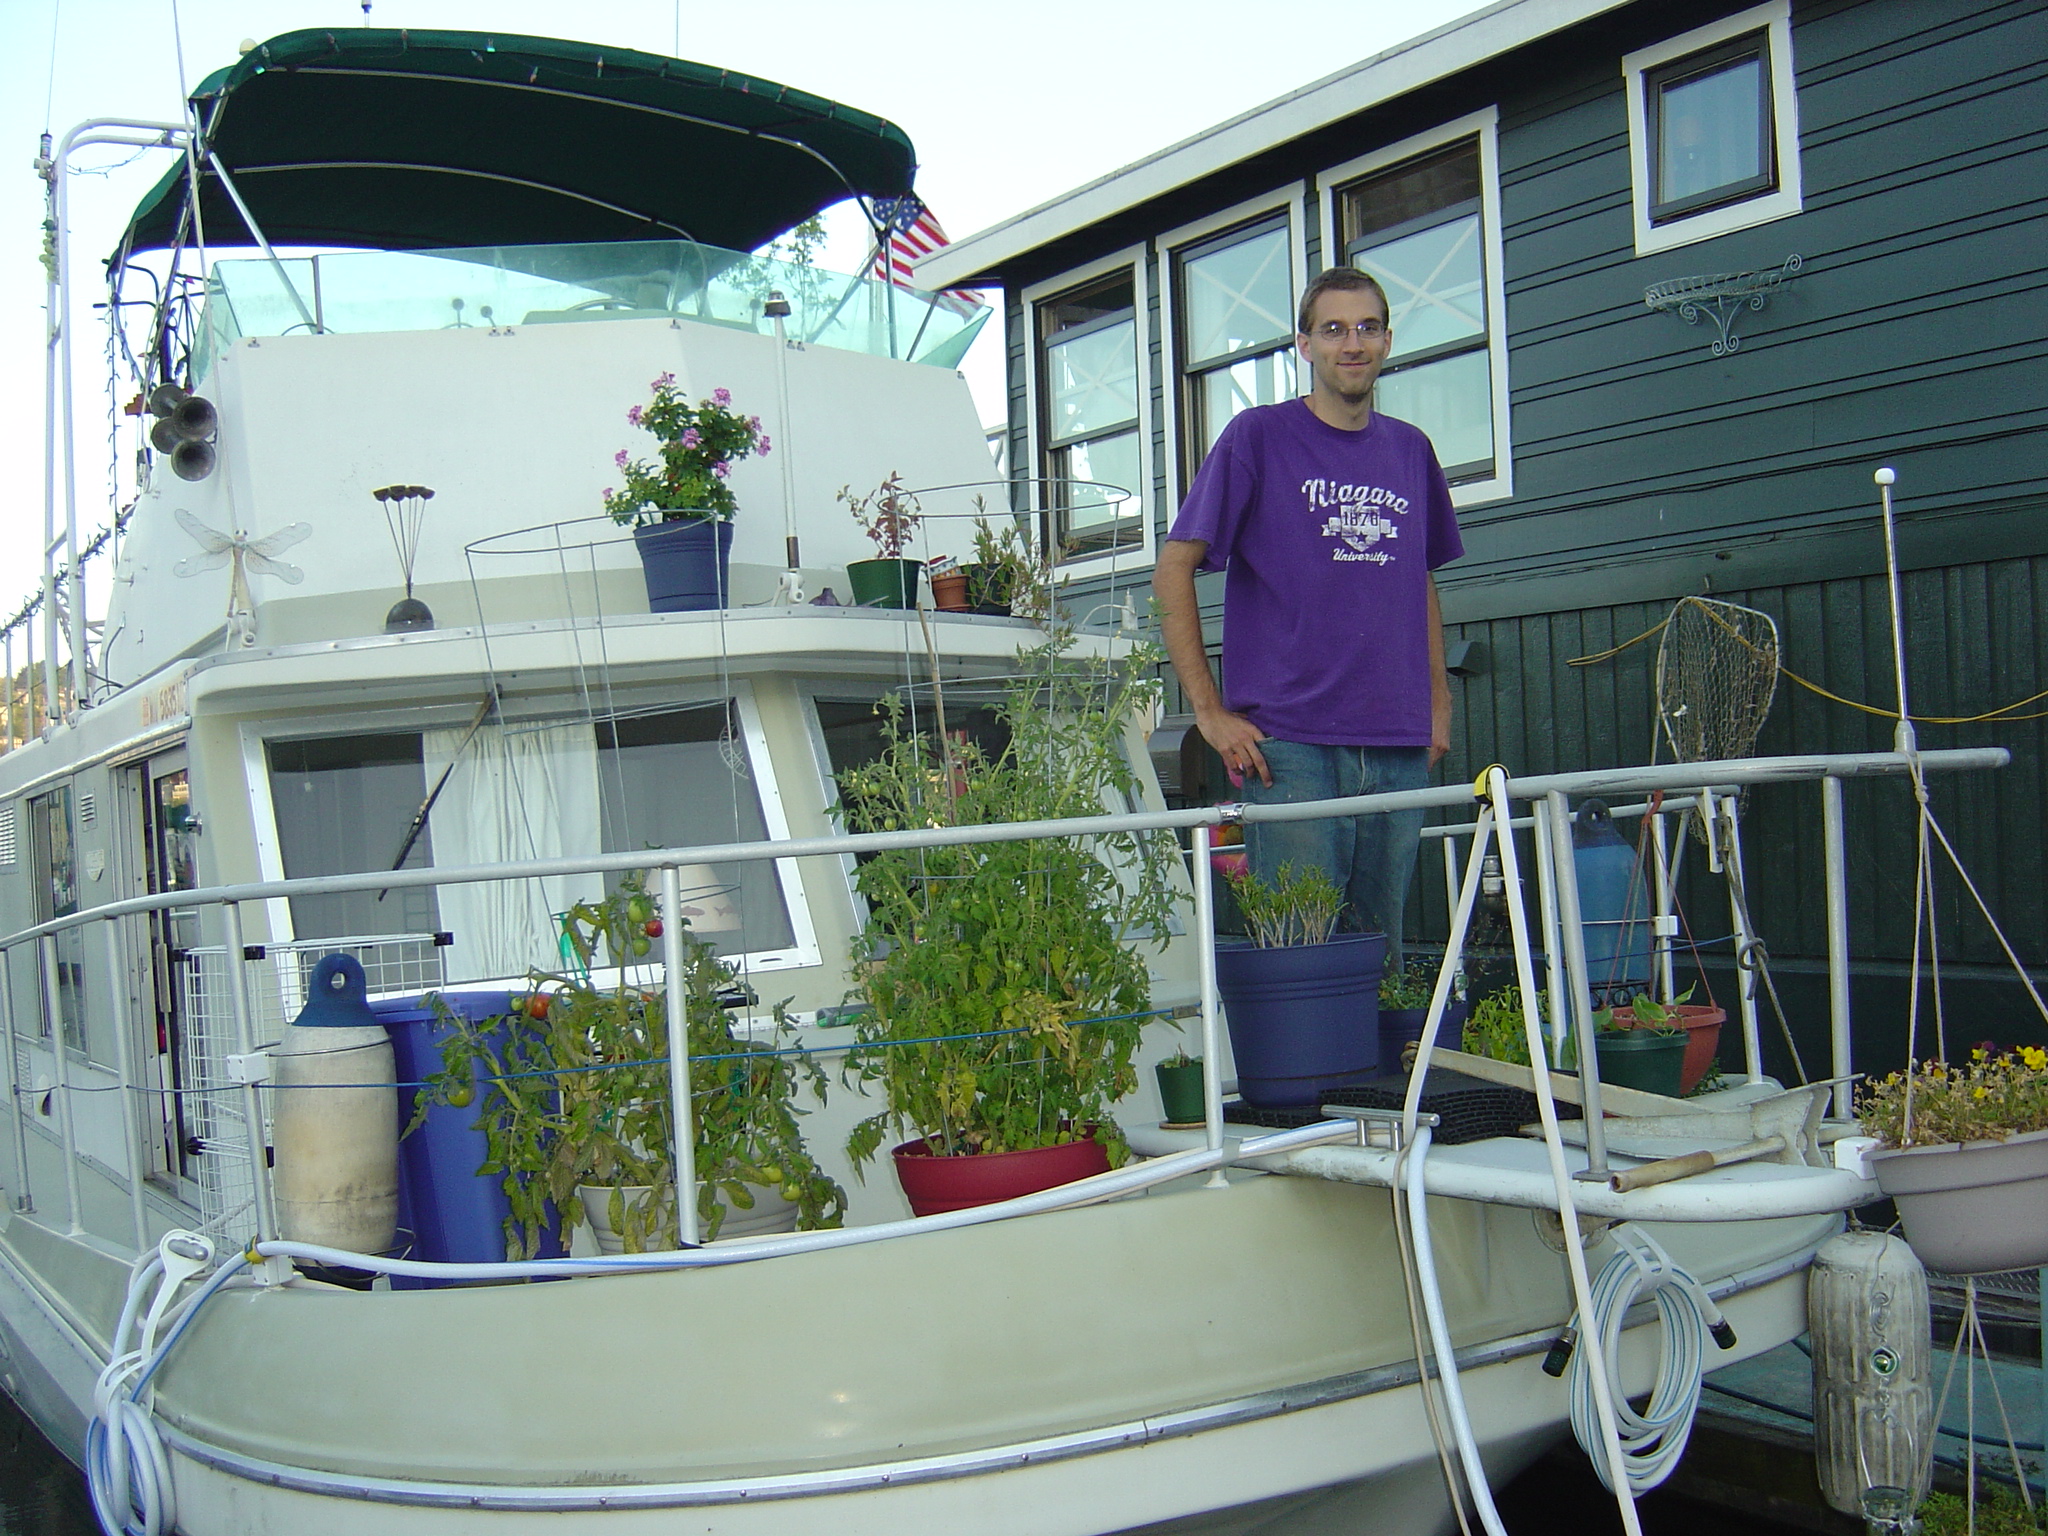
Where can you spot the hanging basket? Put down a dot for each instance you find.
(1972, 1207)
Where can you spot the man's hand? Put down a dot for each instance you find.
(1236, 741)
(1439, 727)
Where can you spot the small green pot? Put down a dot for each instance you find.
(1180, 1092)
(884, 583)
(1641, 1058)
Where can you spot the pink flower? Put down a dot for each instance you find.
(619, 458)
(664, 381)
(692, 437)
(754, 423)
(762, 447)
(721, 469)
(609, 493)
(721, 396)
(633, 415)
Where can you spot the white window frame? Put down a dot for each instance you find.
(1775, 21)
(1169, 246)
(1484, 125)
(803, 949)
(1106, 562)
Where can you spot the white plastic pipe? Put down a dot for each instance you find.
(683, 1124)
(1836, 848)
(1212, 1032)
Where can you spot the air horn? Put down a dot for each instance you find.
(185, 427)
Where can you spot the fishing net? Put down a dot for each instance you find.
(1717, 672)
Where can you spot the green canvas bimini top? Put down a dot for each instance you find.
(403, 140)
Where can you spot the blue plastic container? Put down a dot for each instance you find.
(455, 1214)
(1614, 905)
(1303, 1019)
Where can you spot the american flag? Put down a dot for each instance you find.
(911, 234)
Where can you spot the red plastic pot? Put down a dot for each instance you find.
(1702, 1023)
(935, 1184)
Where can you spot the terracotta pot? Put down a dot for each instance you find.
(1972, 1207)
(949, 592)
(1702, 1024)
(935, 1184)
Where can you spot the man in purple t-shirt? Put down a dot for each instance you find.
(1327, 521)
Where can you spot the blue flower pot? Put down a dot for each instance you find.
(685, 565)
(1402, 1027)
(1304, 1020)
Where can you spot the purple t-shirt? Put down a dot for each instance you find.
(1326, 538)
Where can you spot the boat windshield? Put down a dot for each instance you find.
(362, 292)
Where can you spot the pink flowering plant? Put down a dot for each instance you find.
(687, 481)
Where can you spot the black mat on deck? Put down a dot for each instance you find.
(1471, 1110)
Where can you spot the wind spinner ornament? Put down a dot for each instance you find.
(248, 557)
(405, 508)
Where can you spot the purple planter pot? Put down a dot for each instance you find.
(1303, 1019)
(685, 565)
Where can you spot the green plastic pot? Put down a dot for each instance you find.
(884, 583)
(1642, 1058)
(1180, 1092)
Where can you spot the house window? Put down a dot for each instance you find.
(1235, 305)
(344, 805)
(683, 779)
(1714, 130)
(1709, 119)
(1419, 227)
(1088, 342)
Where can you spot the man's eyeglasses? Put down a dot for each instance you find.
(1364, 330)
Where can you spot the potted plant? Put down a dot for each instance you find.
(1003, 983)
(1494, 1028)
(679, 504)
(1301, 999)
(575, 1102)
(949, 585)
(1701, 1022)
(1181, 1098)
(1964, 1154)
(888, 515)
(1649, 1056)
(1404, 1011)
(1006, 578)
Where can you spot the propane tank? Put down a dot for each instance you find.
(334, 1121)
(1873, 1400)
(1612, 905)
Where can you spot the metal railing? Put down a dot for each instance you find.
(1556, 875)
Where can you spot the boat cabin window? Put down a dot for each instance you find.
(54, 861)
(683, 779)
(1235, 306)
(343, 807)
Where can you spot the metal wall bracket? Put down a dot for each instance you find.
(1721, 296)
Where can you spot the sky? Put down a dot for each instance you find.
(1009, 106)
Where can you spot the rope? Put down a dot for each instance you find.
(2001, 714)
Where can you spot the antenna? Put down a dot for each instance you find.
(405, 508)
(1886, 478)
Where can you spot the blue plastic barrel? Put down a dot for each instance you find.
(1614, 904)
(455, 1214)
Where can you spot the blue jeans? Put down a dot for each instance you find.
(1369, 858)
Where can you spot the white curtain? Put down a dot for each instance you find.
(523, 792)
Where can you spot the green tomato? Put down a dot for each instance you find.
(639, 909)
(462, 1095)
(642, 944)
(790, 1193)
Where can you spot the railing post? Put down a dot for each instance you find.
(1452, 874)
(252, 1095)
(53, 1008)
(124, 1061)
(1546, 905)
(1567, 872)
(1738, 909)
(1839, 1035)
(678, 1008)
(1660, 852)
(24, 1197)
(1212, 1034)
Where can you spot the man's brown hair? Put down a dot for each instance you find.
(1343, 280)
